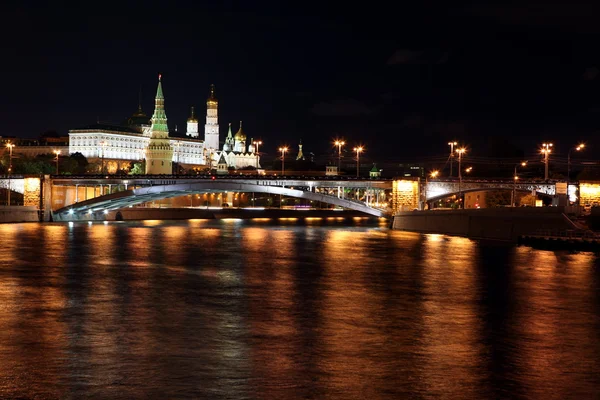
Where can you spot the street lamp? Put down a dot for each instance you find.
(10, 148)
(460, 152)
(103, 147)
(358, 150)
(177, 144)
(339, 144)
(283, 150)
(57, 152)
(256, 144)
(578, 148)
(546, 149)
(515, 179)
(451, 144)
(467, 170)
(432, 175)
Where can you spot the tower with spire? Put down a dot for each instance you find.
(192, 124)
(159, 153)
(300, 155)
(211, 129)
(229, 142)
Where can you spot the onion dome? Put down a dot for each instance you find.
(240, 136)
(212, 100)
(192, 117)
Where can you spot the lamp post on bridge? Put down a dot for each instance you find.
(546, 149)
(515, 179)
(451, 144)
(460, 152)
(57, 152)
(358, 150)
(283, 150)
(103, 148)
(10, 148)
(339, 144)
(256, 144)
(578, 148)
(432, 175)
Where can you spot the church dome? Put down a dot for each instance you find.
(192, 117)
(240, 136)
(138, 118)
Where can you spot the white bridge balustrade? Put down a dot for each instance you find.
(437, 189)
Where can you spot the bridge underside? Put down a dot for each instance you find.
(98, 206)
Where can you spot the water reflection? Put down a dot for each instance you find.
(245, 309)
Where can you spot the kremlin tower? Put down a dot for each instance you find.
(211, 129)
(159, 153)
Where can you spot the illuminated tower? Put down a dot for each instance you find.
(300, 155)
(211, 129)
(229, 142)
(192, 125)
(159, 153)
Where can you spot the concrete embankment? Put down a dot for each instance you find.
(506, 224)
(19, 214)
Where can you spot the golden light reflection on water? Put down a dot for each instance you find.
(451, 332)
(131, 310)
(550, 286)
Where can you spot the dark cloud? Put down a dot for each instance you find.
(343, 107)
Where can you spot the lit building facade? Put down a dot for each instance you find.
(142, 138)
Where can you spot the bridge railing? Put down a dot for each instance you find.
(216, 176)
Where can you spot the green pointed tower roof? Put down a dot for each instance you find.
(159, 118)
(374, 169)
(159, 92)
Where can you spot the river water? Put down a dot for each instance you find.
(253, 309)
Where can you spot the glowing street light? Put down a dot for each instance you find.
(256, 144)
(460, 152)
(467, 170)
(57, 152)
(546, 149)
(358, 150)
(451, 144)
(516, 178)
(433, 174)
(103, 144)
(339, 144)
(283, 151)
(578, 148)
(10, 148)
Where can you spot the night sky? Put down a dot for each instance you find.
(403, 80)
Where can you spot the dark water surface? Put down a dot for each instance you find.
(246, 310)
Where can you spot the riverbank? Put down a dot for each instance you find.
(10, 214)
(503, 224)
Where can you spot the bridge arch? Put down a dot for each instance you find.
(103, 204)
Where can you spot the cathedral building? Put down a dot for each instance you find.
(140, 137)
(236, 153)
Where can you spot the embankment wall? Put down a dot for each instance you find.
(492, 223)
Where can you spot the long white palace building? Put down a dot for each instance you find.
(136, 140)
